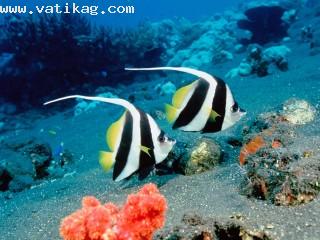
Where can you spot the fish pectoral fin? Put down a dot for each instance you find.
(145, 150)
(171, 113)
(180, 95)
(213, 115)
(106, 160)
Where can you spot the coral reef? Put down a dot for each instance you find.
(278, 168)
(167, 88)
(203, 155)
(59, 53)
(265, 23)
(209, 44)
(142, 214)
(261, 61)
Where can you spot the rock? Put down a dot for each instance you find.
(297, 111)
(168, 89)
(20, 183)
(289, 16)
(203, 156)
(193, 226)
(276, 53)
(234, 72)
(209, 43)
(265, 24)
(24, 161)
(278, 167)
(41, 156)
(259, 61)
(239, 48)
(5, 179)
(245, 69)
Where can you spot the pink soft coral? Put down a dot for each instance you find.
(142, 214)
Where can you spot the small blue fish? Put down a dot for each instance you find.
(58, 151)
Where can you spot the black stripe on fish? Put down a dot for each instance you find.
(146, 162)
(124, 146)
(194, 104)
(219, 106)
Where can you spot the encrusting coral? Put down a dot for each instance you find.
(141, 215)
(278, 167)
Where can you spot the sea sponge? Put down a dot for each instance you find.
(142, 214)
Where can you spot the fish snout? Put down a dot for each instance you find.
(172, 140)
(242, 112)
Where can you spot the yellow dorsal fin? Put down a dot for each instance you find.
(213, 115)
(171, 113)
(145, 150)
(180, 95)
(113, 132)
(106, 160)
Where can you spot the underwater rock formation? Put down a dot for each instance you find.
(57, 57)
(142, 214)
(34, 162)
(278, 167)
(195, 227)
(265, 23)
(209, 43)
(199, 157)
(259, 61)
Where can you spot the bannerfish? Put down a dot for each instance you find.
(135, 141)
(205, 105)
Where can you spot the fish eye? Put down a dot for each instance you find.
(235, 107)
(162, 137)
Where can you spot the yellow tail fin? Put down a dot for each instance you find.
(106, 160)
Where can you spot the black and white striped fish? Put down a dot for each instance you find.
(205, 105)
(135, 140)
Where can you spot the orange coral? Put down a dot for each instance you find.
(142, 214)
(276, 144)
(250, 148)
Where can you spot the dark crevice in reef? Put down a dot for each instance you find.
(265, 24)
(197, 228)
(231, 232)
(5, 179)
